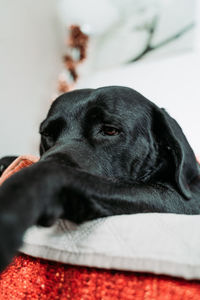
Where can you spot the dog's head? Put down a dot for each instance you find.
(117, 133)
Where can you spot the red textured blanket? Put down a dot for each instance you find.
(33, 278)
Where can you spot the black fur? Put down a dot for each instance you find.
(106, 151)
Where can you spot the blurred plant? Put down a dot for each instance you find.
(77, 43)
(151, 30)
(110, 33)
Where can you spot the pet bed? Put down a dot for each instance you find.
(101, 259)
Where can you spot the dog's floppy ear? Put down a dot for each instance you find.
(50, 128)
(170, 135)
(44, 131)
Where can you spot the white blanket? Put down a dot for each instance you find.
(159, 243)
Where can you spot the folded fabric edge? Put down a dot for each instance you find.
(148, 265)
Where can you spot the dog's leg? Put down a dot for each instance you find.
(24, 198)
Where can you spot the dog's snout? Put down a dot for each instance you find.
(72, 153)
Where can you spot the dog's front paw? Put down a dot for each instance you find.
(10, 239)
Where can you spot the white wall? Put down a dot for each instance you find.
(30, 58)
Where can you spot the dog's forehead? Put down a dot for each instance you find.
(112, 98)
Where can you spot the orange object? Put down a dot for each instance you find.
(18, 164)
(33, 278)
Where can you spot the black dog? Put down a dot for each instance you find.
(106, 151)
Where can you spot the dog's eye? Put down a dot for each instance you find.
(46, 134)
(109, 130)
